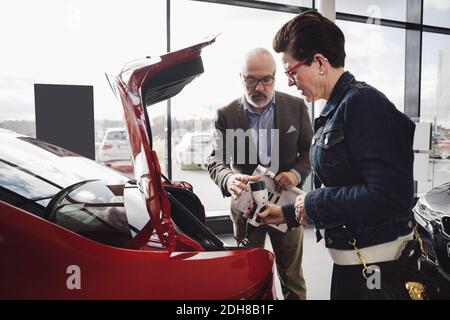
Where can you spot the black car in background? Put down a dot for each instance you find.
(432, 214)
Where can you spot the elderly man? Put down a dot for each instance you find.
(277, 134)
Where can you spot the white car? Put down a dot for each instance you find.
(440, 146)
(115, 150)
(193, 149)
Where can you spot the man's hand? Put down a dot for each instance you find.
(285, 181)
(248, 211)
(237, 183)
(272, 215)
(299, 206)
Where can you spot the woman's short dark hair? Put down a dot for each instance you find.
(310, 33)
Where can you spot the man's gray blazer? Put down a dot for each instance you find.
(295, 134)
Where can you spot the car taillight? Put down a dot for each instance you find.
(107, 146)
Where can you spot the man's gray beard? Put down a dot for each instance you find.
(260, 105)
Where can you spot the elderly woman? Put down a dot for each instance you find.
(361, 154)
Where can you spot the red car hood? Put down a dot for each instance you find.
(139, 85)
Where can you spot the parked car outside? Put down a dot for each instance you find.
(71, 228)
(193, 150)
(432, 214)
(115, 152)
(440, 146)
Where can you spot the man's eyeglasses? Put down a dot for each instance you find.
(253, 82)
(290, 72)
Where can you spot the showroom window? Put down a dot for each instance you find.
(374, 9)
(435, 103)
(73, 42)
(436, 13)
(376, 55)
(157, 114)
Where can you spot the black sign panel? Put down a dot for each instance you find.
(65, 117)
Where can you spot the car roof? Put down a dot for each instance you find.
(192, 134)
(115, 129)
(440, 135)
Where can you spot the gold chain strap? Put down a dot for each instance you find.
(417, 235)
(416, 290)
(361, 258)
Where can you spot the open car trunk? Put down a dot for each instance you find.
(161, 222)
(140, 85)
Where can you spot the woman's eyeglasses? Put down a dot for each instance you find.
(290, 72)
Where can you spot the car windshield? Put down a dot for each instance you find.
(25, 184)
(117, 135)
(31, 177)
(55, 164)
(440, 137)
(94, 210)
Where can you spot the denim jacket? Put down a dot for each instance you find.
(362, 152)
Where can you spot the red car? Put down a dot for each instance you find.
(73, 229)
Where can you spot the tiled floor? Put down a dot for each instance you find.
(317, 266)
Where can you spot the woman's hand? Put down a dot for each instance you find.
(248, 211)
(299, 206)
(272, 214)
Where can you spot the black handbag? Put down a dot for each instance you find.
(408, 278)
